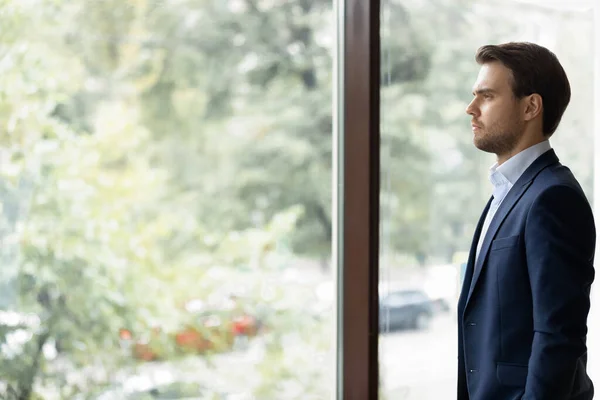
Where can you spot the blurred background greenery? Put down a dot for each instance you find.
(155, 153)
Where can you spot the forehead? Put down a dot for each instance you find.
(495, 76)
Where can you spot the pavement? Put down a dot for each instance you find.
(420, 365)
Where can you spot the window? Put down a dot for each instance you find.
(165, 193)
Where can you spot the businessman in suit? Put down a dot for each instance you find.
(523, 308)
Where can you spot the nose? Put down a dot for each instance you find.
(472, 109)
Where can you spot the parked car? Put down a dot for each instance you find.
(406, 309)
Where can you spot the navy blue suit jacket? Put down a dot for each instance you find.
(522, 324)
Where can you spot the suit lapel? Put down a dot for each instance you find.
(471, 260)
(507, 204)
(513, 196)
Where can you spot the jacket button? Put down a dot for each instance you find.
(472, 370)
(472, 324)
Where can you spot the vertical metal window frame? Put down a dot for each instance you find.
(356, 197)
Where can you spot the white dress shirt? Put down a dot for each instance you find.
(504, 176)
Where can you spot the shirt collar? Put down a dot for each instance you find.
(512, 169)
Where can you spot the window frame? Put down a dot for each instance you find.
(356, 197)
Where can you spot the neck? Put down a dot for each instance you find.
(526, 143)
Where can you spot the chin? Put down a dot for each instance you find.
(482, 144)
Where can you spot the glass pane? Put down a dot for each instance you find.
(434, 182)
(165, 199)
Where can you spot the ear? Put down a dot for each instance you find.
(533, 106)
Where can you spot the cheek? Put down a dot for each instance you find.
(495, 113)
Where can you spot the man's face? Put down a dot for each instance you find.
(496, 116)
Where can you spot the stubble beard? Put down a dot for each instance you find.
(498, 140)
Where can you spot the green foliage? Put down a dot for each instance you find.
(159, 153)
(155, 152)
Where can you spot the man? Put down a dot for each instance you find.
(522, 312)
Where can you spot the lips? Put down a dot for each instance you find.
(475, 126)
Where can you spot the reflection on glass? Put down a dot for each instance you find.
(434, 183)
(165, 201)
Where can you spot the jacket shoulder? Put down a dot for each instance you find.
(554, 176)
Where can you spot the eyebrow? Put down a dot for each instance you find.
(484, 91)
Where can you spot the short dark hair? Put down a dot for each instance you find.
(535, 69)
